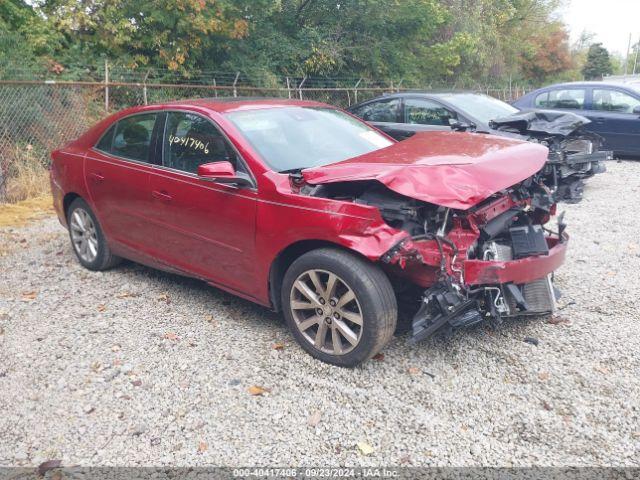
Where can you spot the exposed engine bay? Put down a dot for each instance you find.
(574, 153)
(451, 257)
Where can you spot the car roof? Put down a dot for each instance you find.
(591, 83)
(224, 104)
(437, 93)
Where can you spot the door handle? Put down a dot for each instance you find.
(163, 196)
(96, 177)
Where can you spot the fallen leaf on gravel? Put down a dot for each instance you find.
(95, 366)
(365, 448)
(126, 295)
(1, 331)
(543, 376)
(29, 296)
(136, 383)
(209, 318)
(379, 357)
(314, 418)
(405, 459)
(546, 405)
(202, 447)
(102, 308)
(413, 370)
(602, 370)
(164, 298)
(558, 320)
(171, 336)
(44, 467)
(278, 346)
(256, 390)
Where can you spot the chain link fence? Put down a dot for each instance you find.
(38, 116)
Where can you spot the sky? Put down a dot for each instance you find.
(611, 20)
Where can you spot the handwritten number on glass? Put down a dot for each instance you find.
(189, 142)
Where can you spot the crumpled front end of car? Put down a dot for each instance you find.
(475, 212)
(489, 263)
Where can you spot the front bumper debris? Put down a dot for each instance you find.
(495, 289)
(523, 270)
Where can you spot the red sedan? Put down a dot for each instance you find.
(303, 208)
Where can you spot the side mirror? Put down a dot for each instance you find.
(637, 110)
(221, 172)
(459, 126)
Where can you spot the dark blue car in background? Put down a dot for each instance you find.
(613, 108)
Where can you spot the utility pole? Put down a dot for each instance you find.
(106, 85)
(635, 62)
(626, 59)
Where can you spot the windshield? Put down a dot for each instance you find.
(291, 138)
(480, 107)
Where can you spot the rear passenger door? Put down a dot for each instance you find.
(117, 175)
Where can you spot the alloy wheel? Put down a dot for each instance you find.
(84, 235)
(326, 311)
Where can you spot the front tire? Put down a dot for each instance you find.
(340, 308)
(87, 239)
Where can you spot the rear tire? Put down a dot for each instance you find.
(87, 238)
(339, 307)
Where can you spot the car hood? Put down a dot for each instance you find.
(452, 169)
(540, 121)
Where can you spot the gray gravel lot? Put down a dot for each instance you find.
(138, 367)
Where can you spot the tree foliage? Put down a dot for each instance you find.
(419, 41)
(598, 63)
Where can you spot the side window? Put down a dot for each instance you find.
(542, 100)
(568, 98)
(191, 140)
(382, 111)
(613, 101)
(427, 112)
(132, 137)
(107, 139)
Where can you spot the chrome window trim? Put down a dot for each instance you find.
(113, 124)
(252, 178)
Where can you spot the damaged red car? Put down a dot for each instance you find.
(305, 209)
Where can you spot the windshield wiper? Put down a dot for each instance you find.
(293, 170)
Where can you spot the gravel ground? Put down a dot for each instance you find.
(138, 367)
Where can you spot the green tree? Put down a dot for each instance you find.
(167, 33)
(598, 63)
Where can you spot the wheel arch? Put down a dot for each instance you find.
(288, 255)
(67, 200)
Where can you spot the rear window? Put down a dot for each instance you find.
(107, 139)
(130, 138)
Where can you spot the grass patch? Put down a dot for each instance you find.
(24, 174)
(20, 213)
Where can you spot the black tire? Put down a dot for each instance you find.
(375, 298)
(104, 259)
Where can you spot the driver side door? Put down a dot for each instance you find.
(206, 229)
